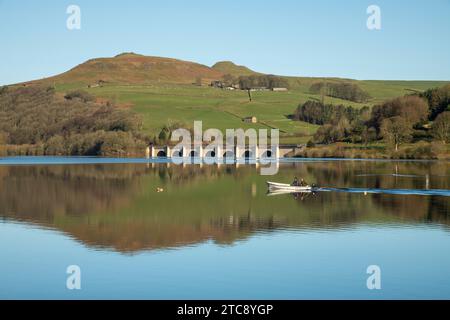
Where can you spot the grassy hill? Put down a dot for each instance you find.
(162, 90)
(131, 68)
(228, 67)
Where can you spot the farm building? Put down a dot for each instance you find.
(280, 89)
(217, 84)
(252, 119)
(259, 89)
(224, 85)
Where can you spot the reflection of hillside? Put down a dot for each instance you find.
(416, 208)
(116, 206)
(42, 194)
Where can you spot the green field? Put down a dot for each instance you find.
(162, 90)
(160, 104)
(217, 108)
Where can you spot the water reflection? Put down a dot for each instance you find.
(365, 191)
(116, 206)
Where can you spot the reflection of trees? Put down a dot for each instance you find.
(351, 174)
(415, 208)
(43, 193)
(379, 175)
(116, 206)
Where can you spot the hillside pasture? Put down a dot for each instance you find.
(161, 104)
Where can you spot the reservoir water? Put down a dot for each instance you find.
(213, 232)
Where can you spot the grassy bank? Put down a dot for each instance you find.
(162, 103)
(420, 151)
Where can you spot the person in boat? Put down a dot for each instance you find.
(303, 183)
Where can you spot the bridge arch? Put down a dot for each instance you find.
(267, 154)
(248, 154)
(177, 153)
(194, 154)
(210, 154)
(228, 154)
(161, 154)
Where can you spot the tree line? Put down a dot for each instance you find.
(424, 116)
(50, 124)
(318, 113)
(342, 90)
(260, 81)
(438, 100)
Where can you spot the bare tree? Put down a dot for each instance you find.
(395, 131)
(441, 127)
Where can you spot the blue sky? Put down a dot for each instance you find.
(288, 37)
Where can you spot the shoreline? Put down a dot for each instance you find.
(74, 160)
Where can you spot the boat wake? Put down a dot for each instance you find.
(407, 192)
(418, 192)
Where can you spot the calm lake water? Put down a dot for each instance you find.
(215, 232)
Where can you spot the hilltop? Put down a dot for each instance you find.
(228, 67)
(131, 68)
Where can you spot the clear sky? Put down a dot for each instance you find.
(288, 37)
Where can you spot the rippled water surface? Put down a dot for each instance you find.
(215, 232)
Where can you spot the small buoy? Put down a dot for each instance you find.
(159, 190)
(365, 193)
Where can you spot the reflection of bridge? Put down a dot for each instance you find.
(200, 151)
